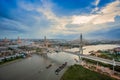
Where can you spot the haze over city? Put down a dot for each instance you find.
(60, 19)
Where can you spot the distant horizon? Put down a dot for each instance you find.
(59, 39)
(60, 19)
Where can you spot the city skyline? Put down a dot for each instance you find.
(95, 19)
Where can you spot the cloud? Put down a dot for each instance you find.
(48, 23)
(12, 24)
(87, 23)
(11, 29)
(108, 13)
(82, 19)
(96, 2)
(25, 5)
(57, 23)
(103, 20)
(105, 15)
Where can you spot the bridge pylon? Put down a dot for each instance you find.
(80, 47)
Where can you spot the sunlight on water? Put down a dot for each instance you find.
(63, 57)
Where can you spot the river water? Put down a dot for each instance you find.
(34, 68)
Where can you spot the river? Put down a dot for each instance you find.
(34, 68)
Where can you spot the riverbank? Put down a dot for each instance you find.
(10, 62)
(77, 72)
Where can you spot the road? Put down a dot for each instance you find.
(95, 58)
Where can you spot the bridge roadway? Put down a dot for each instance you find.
(111, 62)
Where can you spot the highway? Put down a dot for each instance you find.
(96, 58)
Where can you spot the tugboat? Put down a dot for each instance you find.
(48, 66)
(57, 71)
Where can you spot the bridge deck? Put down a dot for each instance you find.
(111, 62)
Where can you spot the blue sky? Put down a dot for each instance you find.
(61, 19)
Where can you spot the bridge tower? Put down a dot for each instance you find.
(80, 49)
(81, 45)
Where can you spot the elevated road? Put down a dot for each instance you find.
(111, 62)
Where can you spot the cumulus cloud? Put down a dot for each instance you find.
(105, 15)
(57, 23)
(85, 23)
(82, 19)
(97, 22)
(108, 13)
